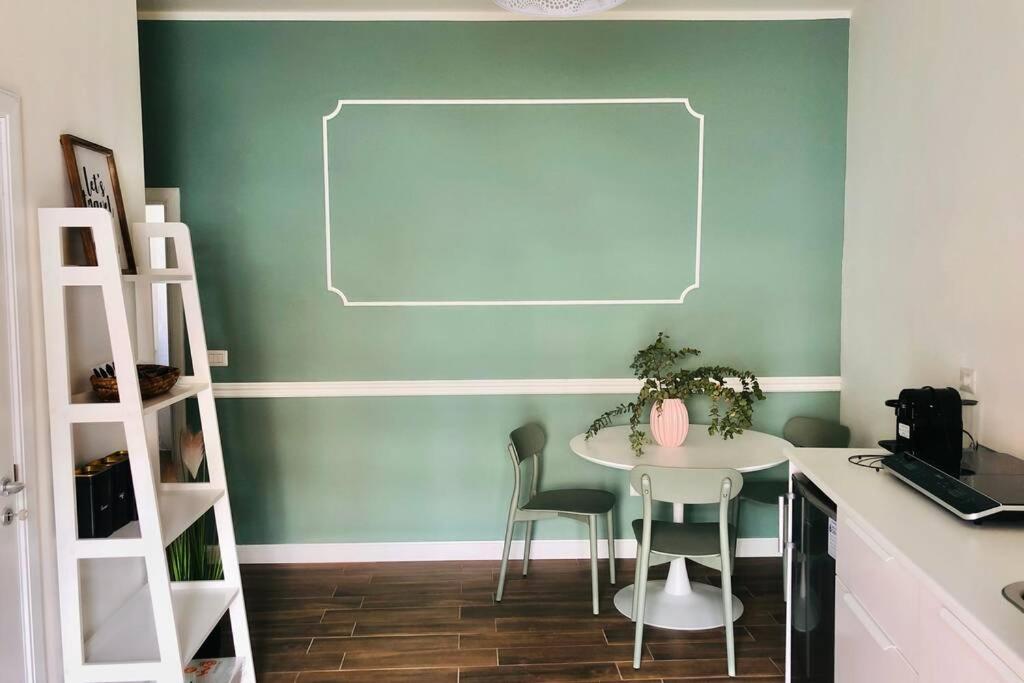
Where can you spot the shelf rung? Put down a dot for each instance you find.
(198, 606)
(81, 276)
(114, 546)
(185, 388)
(128, 635)
(121, 673)
(85, 408)
(160, 276)
(95, 412)
(180, 507)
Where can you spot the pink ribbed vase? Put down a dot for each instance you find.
(670, 422)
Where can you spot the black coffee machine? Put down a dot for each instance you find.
(929, 426)
(975, 483)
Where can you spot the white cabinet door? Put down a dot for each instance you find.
(955, 654)
(885, 588)
(864, 654)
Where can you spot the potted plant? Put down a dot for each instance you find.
(664, 388)
(188, 556)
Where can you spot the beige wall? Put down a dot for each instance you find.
(74, 64)
(933, 275)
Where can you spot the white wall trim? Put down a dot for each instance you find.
(622, 14)
(15, 300)
(485, 387)
(519, 102)
(431, 551)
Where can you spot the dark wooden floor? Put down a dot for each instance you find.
(437, 622)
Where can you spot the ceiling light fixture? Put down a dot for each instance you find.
(558, 8)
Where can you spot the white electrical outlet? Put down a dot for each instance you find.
(217, 358)
(968, 380)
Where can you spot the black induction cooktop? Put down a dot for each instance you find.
(989, 483)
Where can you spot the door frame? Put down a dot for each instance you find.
(16, 306)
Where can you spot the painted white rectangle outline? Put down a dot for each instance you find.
(685, 102)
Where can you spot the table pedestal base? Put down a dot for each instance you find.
(697, 610)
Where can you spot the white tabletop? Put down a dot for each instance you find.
(747, 452)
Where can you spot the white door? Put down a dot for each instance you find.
(18, 620)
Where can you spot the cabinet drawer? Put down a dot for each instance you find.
(884, 587)
(864, 653)
(955, 653)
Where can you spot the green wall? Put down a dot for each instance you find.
(232, 116)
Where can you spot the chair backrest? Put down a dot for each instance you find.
(527, 440)
(526, 443)
(813, 432)
(696, 486)
(691, 485)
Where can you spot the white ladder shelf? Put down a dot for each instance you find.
(153, 633)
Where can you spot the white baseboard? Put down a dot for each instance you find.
(457, 550)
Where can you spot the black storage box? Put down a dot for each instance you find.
(94, 496)
(123, 501)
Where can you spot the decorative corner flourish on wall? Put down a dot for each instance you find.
(515, 102)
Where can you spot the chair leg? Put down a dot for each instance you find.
(526, 546)
(611, 546)
(592, 519)
(504, 554)
(640, 588)
(636, 584)
(730, 642)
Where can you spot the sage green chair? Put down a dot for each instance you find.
(712, 544)
(802, 432)
(583, 505)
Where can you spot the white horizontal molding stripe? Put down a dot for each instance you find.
(839, 12)
(484, 387)
(457, 550)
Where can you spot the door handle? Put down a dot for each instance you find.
(9, 488)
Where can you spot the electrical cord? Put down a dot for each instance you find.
(868, 460)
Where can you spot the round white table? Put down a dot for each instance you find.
(676, 603)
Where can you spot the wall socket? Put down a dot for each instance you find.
(968, 380)
(217, 358)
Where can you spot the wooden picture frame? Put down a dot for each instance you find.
(92, 175)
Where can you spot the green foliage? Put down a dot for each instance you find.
(188, 556)
(657, 366)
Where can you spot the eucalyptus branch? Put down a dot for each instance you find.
(657, 365)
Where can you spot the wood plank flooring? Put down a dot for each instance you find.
(437, 622)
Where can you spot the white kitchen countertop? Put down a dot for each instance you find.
(964, 564)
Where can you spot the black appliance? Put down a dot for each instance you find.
(812, 583)
(987, 484)
(928, 454)
(929, 425)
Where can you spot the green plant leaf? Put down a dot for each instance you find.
(657, 366)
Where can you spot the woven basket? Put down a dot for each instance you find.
(153, 381)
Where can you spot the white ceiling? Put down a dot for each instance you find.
(482, 9)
